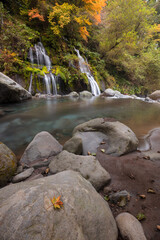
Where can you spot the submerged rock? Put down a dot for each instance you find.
(10, 91)
(27, 211)
(108, 93)
(73, 94)
(73, 145)
(8, 164)
(130, 228)
(85, 94)
(43, 146)
(88, 166)
(118, 137)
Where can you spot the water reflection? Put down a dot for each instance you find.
(23, 121)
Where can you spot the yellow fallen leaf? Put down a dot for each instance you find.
(150, 190)
(103, 150)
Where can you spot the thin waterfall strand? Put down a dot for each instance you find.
(85, 69)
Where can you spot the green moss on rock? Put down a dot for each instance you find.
(8, 164)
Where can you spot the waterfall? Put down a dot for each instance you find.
(38, 55)
(85, 69)
(30, 85)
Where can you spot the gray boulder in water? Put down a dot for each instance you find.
(27, 212)
(118, 137)
(10, 91)
(85, 94)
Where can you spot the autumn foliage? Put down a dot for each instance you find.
(57, 203)
(34, 13)
(87, 14)
(94, 8)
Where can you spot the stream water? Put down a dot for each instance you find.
(59, 116)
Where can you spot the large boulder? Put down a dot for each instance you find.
(10, 91)
(43, 146)
(130, 228)
(73, 145)
(27, 212)
(88, 166)
(85, 94)
(149, 145)
(155, 95)
(118, 137)
(108, 93)
(8, 164)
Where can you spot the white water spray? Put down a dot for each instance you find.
(38, 55)
(85, 69)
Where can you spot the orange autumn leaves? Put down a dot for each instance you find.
(94, 7)
(34, 13)
(56, 202)
(66, 15)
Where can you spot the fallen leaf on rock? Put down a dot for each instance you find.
(158, 227)
(142, 196)
(141, 216)
(103, 150)
(150, 190)
(57, 203)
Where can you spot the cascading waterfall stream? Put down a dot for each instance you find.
(85, 69)
(38, 55)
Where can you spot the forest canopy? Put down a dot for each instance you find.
(121, 39)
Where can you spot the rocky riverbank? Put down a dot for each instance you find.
(126, 178)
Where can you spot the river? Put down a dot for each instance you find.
(23, 121)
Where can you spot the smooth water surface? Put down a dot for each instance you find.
(59, 116)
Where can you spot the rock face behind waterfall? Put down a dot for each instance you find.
(27, 212)
(118, 138)
(10, 91)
